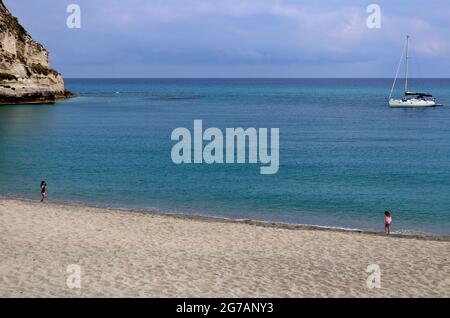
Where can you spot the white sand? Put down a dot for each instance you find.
(130, 254)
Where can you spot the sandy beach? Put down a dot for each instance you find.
(131, 254)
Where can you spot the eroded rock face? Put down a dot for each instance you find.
(25, 74)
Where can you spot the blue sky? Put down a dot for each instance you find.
(239, 38)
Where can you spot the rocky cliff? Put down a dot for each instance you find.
(25, 74)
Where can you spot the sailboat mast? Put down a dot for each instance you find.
(407, 64)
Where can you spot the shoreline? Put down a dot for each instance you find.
(37, 98)
(141, 254)
(219, 219)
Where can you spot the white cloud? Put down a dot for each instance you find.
(250, 31)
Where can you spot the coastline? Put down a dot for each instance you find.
(253, 222)
(137, 254)
(36, 98)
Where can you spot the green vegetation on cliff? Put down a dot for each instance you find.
(42, 70)
(9, 23)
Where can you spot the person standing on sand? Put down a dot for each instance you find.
(387, 222)
(43, 186)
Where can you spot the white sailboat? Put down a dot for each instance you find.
(410, 99)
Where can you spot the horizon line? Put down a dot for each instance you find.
(183, 77)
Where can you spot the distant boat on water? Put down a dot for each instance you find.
(410, 99)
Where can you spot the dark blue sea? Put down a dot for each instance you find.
(345, 157)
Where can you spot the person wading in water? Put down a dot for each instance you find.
(387, 222)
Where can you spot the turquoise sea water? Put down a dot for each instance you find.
(345, 156)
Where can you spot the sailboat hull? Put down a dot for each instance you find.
(411, 103)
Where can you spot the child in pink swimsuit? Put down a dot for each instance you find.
(388, 222)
